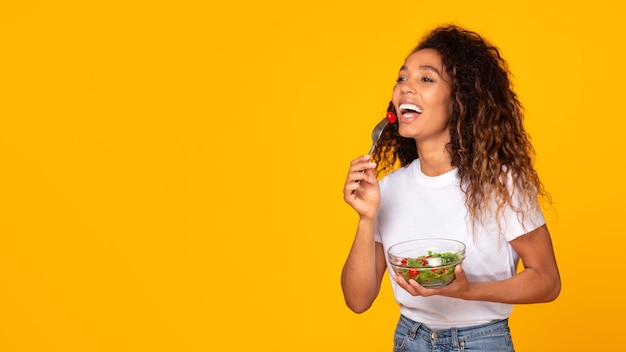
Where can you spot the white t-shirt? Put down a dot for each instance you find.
(415, 206)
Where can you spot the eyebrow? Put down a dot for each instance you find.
(423, 67)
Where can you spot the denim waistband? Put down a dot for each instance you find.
(453, 335)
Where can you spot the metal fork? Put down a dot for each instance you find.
(378, 130)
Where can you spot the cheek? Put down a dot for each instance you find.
(450, 105)
(444, 101)
(395, 95)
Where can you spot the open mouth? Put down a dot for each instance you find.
(409, 109)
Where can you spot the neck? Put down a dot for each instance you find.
(434, 161)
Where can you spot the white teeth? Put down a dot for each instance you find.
(405, 107)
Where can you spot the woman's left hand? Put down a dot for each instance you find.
(458, 288)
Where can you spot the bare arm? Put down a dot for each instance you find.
(538, 282)
(363, 271)
(364, 268)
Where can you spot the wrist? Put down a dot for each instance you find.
(365, 219)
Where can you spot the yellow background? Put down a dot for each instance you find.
(171, 172)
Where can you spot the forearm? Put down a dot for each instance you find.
(538, 282)
(359, 279)
(528, 286)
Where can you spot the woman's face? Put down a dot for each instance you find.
(422, 98)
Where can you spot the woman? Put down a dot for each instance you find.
(465, 173)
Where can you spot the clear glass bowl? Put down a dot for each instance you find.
(428, 261)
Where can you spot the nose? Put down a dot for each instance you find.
(407, 89)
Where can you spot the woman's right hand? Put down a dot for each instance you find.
(361, 190)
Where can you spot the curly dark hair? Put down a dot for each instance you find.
(489, 144)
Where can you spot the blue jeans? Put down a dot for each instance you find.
(411, 336)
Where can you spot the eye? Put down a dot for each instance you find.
(426, 79)
(400, 80)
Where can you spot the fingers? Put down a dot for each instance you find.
(361, 190)
(361, 169)
(362, 162)
(412, 287)
(456, 288)
(360, 174)
(459, 273)
(407, 285)
(352, 185)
